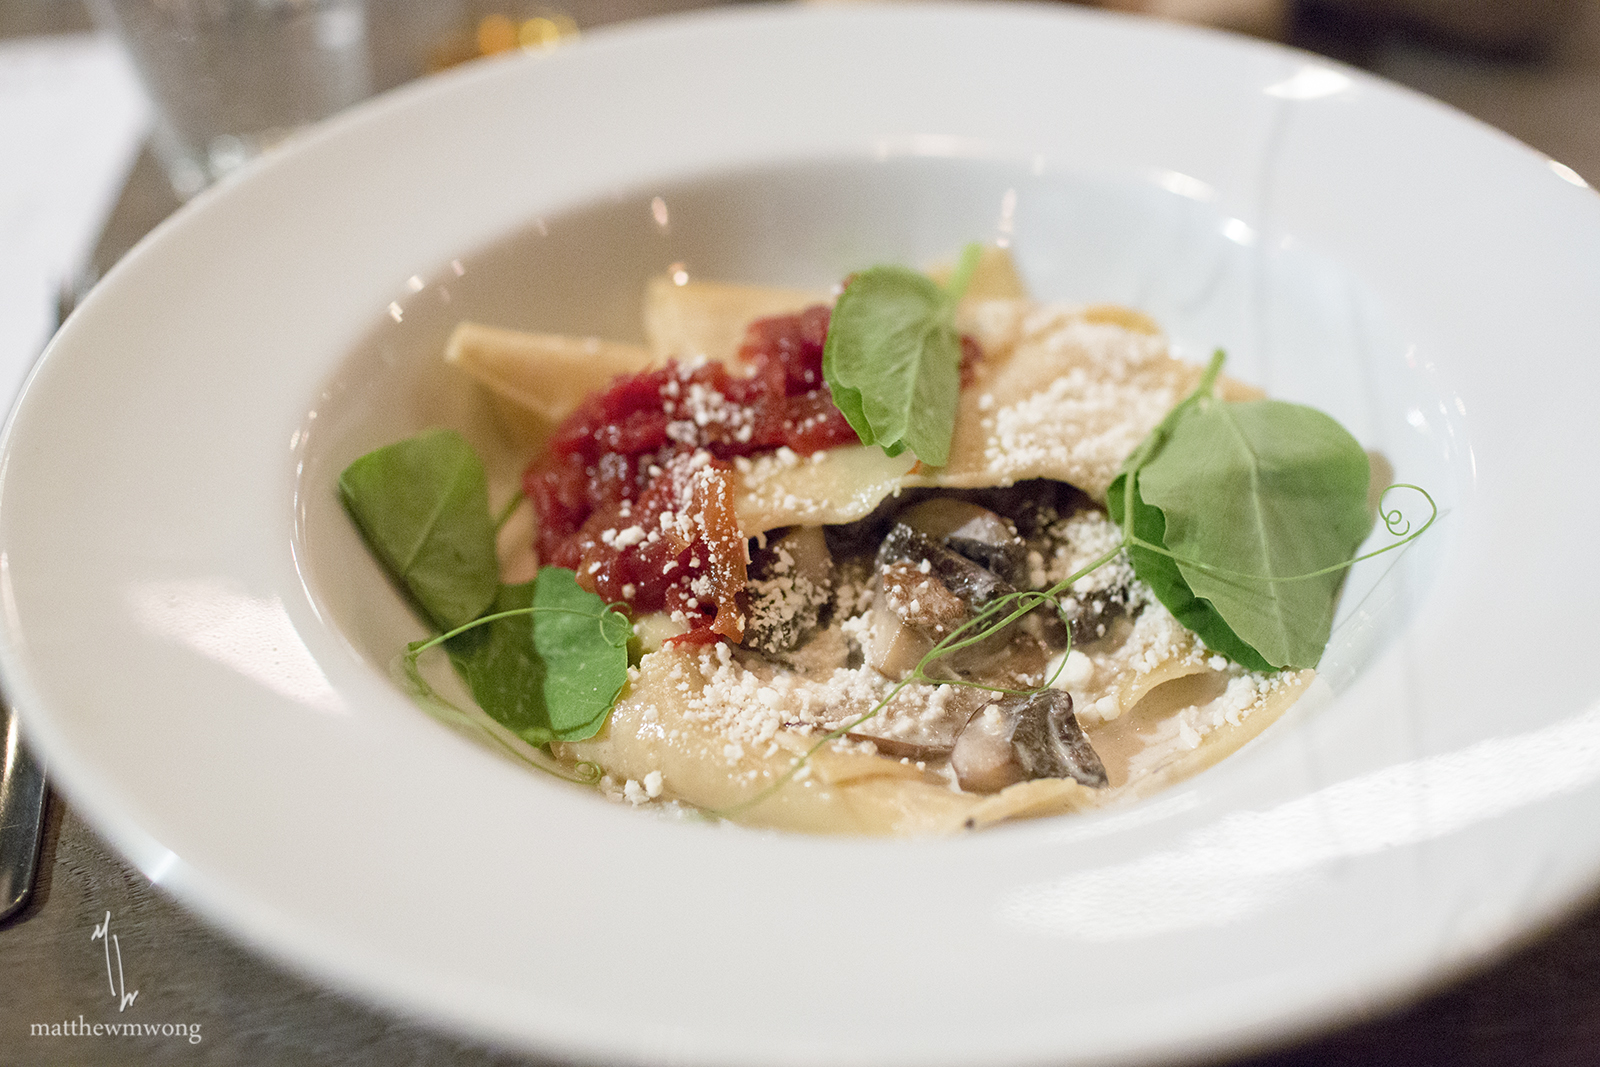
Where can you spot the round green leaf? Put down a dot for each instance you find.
(423, 506)
(892, 361)
(1255, 496)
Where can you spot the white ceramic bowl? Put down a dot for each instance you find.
(201, 648)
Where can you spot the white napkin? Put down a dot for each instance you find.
(72, 117)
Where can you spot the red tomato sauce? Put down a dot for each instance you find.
(636, 492)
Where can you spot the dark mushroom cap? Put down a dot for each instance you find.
(1021, 737)
(972, 531)
(790, 590)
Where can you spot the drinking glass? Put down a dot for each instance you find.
(231, 78)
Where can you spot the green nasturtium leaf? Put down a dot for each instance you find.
(1161, 574)
(585, 649)
(1270, 489)
(498, 662)
(423, 506)
(1250, 496)
(892, 361)
(548, 671)
(551, 674)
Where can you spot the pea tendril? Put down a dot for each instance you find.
(1011, 607)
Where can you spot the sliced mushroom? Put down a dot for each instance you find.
(1019, 738)
(921, 600)
(925, 731)
(790, 590)
(861, 538)
(891, 644)
(1032, 505)
(925, 593)
(976, 585)
(974, 532)
(1095, 615)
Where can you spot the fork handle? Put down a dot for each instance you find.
(22, 801)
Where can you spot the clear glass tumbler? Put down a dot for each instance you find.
(231, 78)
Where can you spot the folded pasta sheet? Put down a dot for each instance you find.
(821, 710)
(723, 730)
(1062, 393)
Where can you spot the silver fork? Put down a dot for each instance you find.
(23, 791)
(22, 804)
(146, 199)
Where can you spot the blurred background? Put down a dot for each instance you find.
(114, 111)
(97, 96)
(1530, 67)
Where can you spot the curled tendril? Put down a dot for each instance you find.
(604, 617)
(1007, 609)
(612, 623)
(476, 721)
(1394, 520)
(615, 615)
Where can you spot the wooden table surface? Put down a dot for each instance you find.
(1538, 1006)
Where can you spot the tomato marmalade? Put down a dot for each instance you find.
(636, 491)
